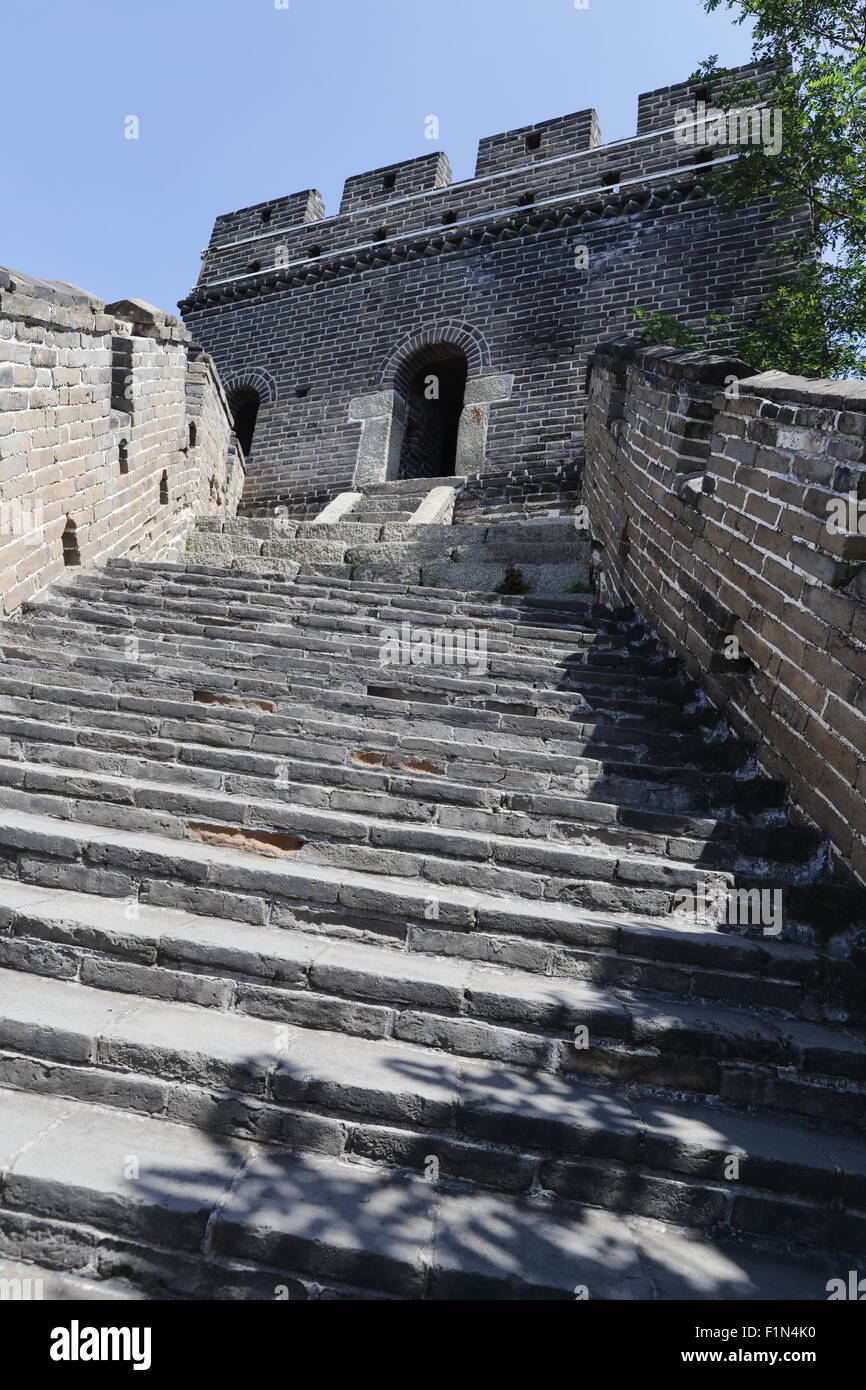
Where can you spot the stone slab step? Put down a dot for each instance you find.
(365, 603)
(495, 748)
(389, 821)
(550, 620)
(190, 785)
(388, 1102)
(602, 730)
(312, 839)
(212, 712)
(531, 609)
(218, 658)
(498, 1014)
(547, 937)
(635, 737)
(564, 685)
(399, 487)
(454, 778)
(593, 689)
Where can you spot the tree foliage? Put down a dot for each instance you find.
(813, 323)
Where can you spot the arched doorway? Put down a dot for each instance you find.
(433, 383)
(244, 403)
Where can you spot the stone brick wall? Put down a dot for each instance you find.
(113, 430)
(321, 316)
(730, 509)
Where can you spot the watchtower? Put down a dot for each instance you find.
(433, 328)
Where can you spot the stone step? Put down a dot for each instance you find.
(385, 512)
(524, 609)
(442, 698)
(561, 938)
(562, 661)
(406, 786)
(341, 840)
(626, 721)
(576, 686)
(210, 1218)
(510, 741)
(500, 613)
(319, 647)
(502, 537)
(394, 1103)
(527, 608)
(561, 651)
(399, 487)
(597, 794)
(499, 1014)
(255, 880)
(282, 806)
(491, 723)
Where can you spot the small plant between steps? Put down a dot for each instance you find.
(514, 582)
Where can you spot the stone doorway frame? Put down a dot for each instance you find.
(383, 414)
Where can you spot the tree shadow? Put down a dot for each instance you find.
(426, 1217)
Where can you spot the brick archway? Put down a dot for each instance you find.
(251, 379)
(247, 392)
(383, 414)
(440, 339)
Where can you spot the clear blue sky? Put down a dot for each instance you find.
(239, 101)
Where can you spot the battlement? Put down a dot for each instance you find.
(270, 218)
(539, 165)
(657, 110)
(405, 180)
(533, 144)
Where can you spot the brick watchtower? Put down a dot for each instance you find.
(433, 328)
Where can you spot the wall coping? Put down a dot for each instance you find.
(711, 368)
(67, 306)
(714, 368)
(848, 394)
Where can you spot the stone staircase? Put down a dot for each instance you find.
(546, 557)
(396, 502)
(324, 979)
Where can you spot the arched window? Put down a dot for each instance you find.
(69, 539)
(163, 490)
(193, 435)
(123, 456)
(436, 388)
(244, 403)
